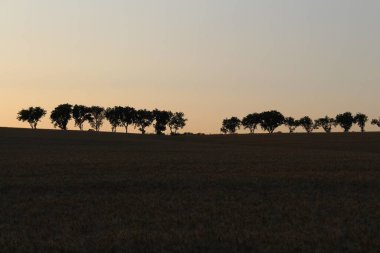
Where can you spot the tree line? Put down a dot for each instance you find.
(117, 116)
(270, 120)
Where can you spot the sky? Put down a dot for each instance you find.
(211, 59)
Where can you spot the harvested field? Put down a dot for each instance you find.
(103, 192)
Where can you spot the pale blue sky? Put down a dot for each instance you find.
(211, 59)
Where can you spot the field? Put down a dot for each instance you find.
(102, 192)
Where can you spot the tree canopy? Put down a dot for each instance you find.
(326, 123)
(376, 122)
(307, 123)
(32, 115)
(291, 123)
(177, 121)
(143, 119)
(61, 115)
(97, 116)
(113, 115)
(270, 120)
(230, 125)
(345, 121)
(361, 119)
(251, 121)
(162, 118)
(81, 114)
(128, 115)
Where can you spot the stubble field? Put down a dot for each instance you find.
(104, 192)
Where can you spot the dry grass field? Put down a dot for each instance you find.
(102, 192)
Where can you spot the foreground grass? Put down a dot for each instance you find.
(89, 192)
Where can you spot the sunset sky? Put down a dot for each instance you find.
(211, 59)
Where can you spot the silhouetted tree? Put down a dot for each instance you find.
(162, 118)
(128, 116)
(270, 120)
(97, 116)
(307, 123)
(61, 115)
(345, 121)
(32, 115)
(177, 121)
(113, 115)
(230, 125)
(361, 119)
(143, 119)
(224, 129)
(326, 123)
(81, 114)
(376, 122)
(251, 121)
(291, 123)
